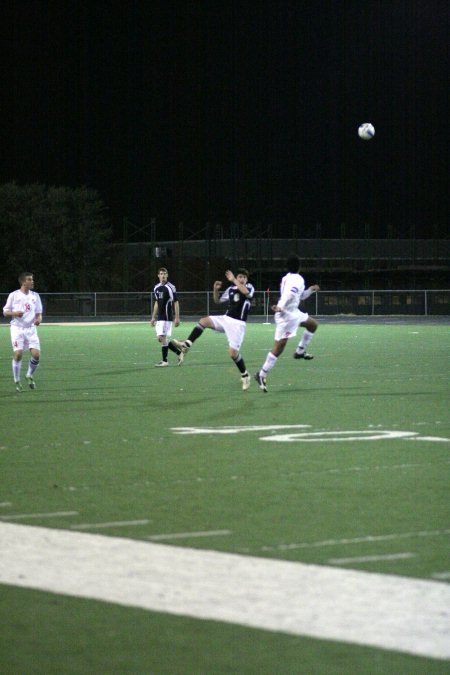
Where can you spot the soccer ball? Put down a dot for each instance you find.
(366, 131)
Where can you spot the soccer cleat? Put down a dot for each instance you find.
(262, 382)
(245, 381)
(180, 359)
(303, 355)
(31, 382)
(161, 364)
(183, 346)
(19, 387)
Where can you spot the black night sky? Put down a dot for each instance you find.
(234, 111)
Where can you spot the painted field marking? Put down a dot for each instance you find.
(434, 439)
(189, 535)
(370, 558)
(25, 516)
(371, 434)
(235, 430)
(118, 523)
(369, 538)
(336, 436)
(384, 611)
(441, 575)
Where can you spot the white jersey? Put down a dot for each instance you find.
(292, 289)
(28, 303)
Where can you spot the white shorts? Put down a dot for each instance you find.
(287, 323)
(24, 338)
(163, 328)
(233, 329)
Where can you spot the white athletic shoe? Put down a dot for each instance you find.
(184, 346)
(161, 364)
(19, 387)
(180, 358)
(246, 381)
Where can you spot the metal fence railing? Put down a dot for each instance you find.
(194, 304)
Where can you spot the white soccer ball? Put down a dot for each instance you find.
(366, 131)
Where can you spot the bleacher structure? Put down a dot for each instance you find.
(198, 257)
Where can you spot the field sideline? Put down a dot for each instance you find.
(342, 467)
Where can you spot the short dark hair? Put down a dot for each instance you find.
(24, 275)
(163, 269)
(293, 263)
(242, 270)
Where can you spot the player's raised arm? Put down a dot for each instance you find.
(217, 286)
(234, 280)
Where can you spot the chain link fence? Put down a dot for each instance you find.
(135, 306)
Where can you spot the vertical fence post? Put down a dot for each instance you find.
(425, 303)
(266, 304)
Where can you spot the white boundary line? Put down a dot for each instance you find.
(384, 611)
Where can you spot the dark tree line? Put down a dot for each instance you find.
(60, 234)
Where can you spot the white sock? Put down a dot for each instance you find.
(268, 364)
(16, 368)
(32, 365)
(306, 339)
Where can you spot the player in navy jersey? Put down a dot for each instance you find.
(232, 323)
(166, 313)
(25, 309)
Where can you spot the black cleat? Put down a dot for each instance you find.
(303, 355)
(31, 382)
(262, 382)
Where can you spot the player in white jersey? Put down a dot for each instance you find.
(288, 317)
(24, 306)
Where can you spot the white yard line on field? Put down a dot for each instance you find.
(369, 538)
(25, 516)
(370, 558)
(385, 611)
(189, 535)
(117, 523)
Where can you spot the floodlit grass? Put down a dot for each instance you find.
(99, 439)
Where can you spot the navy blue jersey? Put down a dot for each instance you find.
(165, 295)
(238, 303)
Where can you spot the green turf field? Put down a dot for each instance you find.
(108, 444)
